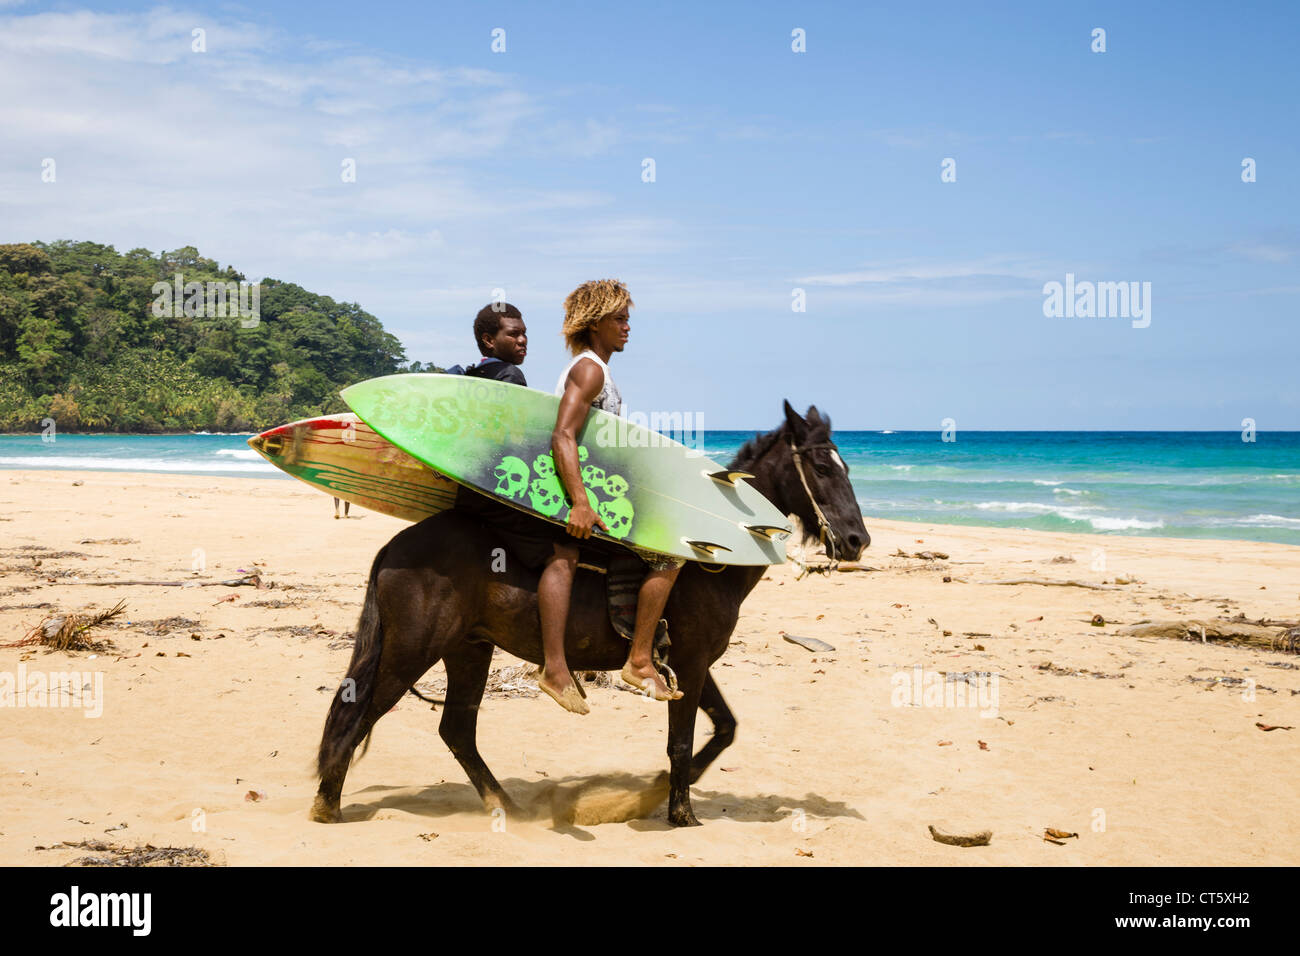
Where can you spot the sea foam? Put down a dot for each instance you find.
(90, 463)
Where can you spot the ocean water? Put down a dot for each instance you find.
(1176, 484)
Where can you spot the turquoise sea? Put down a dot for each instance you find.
(1177, 484)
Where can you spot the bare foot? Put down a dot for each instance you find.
(566, 694)
(647, 680)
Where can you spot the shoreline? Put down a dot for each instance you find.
(133, 434)
(763, 428)
(279, 477)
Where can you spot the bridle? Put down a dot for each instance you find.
(824, 533)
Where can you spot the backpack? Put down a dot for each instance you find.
(473, 370)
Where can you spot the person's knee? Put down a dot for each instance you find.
(667, 573)
(565, 555)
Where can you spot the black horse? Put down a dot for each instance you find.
(426, 601)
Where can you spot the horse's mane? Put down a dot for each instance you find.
(762, 442)
(757, 447)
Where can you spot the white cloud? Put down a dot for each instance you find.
(937, 283)
(238, 150)
(927, 271)
(366, 247)
(161, 36)
(603, 239)
(1263, 251)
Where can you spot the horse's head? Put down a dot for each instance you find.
(820, 483)
(799, 469)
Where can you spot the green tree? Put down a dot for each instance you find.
(80, 338)
(41, 349)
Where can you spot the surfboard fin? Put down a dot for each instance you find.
(708, 547)
(768, 532)
(725, 477)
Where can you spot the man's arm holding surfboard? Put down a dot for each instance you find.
(580, 390)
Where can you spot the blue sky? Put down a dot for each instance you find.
(775, 170)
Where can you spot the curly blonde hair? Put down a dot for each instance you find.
(587, 305)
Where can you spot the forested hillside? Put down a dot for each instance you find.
(81, 342)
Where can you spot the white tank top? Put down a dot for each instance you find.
(609, 399)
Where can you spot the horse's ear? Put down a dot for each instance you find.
(816, 418)
(798, 427)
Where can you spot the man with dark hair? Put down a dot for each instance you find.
(502, 340)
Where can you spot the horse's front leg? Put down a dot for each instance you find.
(681, 737)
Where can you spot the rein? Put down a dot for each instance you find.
(824, 533)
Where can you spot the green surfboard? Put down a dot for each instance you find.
(651, 491)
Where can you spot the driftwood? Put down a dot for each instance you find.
(983, 838)
(1240, 633)
(1241, 618)
(250, 580)
(829, 567)
(923, 555)
(1059, 584)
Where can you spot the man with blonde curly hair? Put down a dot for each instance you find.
(595, 327)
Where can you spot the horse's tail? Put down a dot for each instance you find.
(352, 699)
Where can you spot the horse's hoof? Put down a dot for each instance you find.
(505, 804)
(324, 811)
(683, 818)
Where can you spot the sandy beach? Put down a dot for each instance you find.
(1148, 748)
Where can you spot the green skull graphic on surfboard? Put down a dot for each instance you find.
(545, 494)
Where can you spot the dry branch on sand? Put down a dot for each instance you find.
(828, 567)
(68, 632)
(1243, 633)
(247, 580)
(983, 838)
(1046, 583)
(147, 855)
(922, 555)
(514, 680)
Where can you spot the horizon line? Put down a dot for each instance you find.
(841, 431)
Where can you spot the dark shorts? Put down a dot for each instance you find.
(530, 540)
